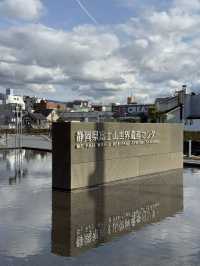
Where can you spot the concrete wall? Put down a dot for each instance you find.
(78, 164)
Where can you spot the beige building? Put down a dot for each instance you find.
(51, 115)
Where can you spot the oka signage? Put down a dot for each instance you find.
(130, 110)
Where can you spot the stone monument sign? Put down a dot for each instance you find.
(90, 154)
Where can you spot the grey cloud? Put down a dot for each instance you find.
(21, 9)
(150, 54)
(45, 56)
(97, 91)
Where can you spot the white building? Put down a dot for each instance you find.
(7, 115)
(181, 108)
(10, 98)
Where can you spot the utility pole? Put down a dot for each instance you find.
(18, 141)
(18, 126)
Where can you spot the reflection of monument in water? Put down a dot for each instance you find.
(82, 219)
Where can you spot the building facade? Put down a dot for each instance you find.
(45, 105)
(86, 116)
(182, 108)
(138, 112)
(10, 98)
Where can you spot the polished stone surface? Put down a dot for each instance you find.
(153, 221)
(122, 154)
(85, 218)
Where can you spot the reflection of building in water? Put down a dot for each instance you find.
(17, 166)
(34, 155)
(13, 158)
(13, 163)
(126, 206)
(16, 157)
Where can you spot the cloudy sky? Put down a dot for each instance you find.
(101, 50)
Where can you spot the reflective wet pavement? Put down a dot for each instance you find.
(149, 221)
